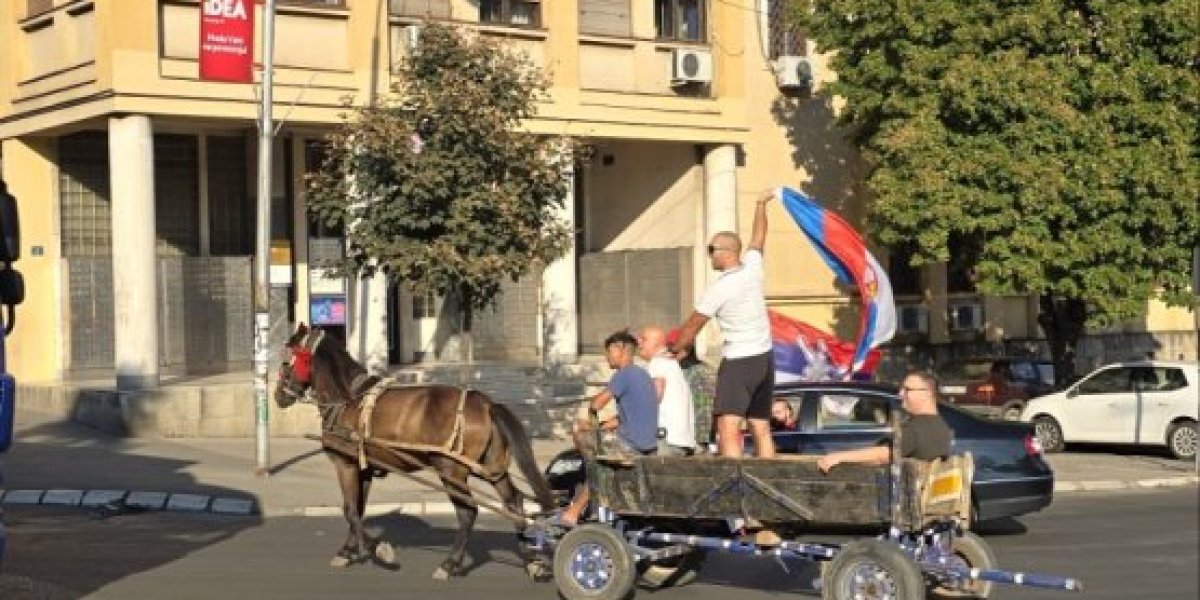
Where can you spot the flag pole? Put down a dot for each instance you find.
(262, 247)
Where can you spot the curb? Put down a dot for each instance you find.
(118, 501)
(1113, 485)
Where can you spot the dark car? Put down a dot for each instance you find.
(995, 386)
(1011, 477)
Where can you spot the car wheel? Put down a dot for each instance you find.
(971, 552)
(1181, 439)
(1012, 412)
(1049, 433)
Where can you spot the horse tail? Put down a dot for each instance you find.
(522, 448)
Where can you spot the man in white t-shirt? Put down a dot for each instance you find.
(746, 377)
(676, 414)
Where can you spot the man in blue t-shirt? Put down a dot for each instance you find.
(633, 431)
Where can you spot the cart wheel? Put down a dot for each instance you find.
(593, 562)
(872, 569)
(671, 572)
(973, 553)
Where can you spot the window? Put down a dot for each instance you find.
(526, 13)
(1158, 379)
(605, 17)
(785, 37)
(433, 9)
(683, 20)
(177, 194)
(230, 210)
(83, 183)
(1108, 381)
(424, 306)
(905, 278)
(849, 411)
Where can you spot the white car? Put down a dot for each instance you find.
(1144, 402)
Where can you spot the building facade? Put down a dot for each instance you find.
(136, 181)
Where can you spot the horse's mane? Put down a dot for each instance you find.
(348, 378)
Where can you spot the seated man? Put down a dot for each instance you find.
(923, 435)
(633, 431)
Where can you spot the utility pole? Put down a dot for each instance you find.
(262, 247)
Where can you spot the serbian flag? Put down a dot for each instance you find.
(843, 250)
(805, 353)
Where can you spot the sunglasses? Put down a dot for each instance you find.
(712, 249)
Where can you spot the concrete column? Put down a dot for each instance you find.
(560, 306)
(366, 329)
(135, 284)
(720, 189)
(720, 214)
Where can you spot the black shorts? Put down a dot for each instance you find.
(745, 386)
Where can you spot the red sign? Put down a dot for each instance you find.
(227, 40)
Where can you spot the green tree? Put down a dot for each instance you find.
(1058, 139)
(437, 186)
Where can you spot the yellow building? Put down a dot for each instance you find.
(136, 179)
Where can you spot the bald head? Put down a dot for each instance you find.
(725, 250)
(653, 340)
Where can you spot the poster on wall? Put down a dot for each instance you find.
(227, 40)
(327, 310)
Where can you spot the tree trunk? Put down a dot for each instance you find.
(1062, 320)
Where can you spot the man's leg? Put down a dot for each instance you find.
(571, 514)
(729, 434)
(764, 444)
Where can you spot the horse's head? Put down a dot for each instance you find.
(295, 374)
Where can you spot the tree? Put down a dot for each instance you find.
(1059, 139)
(436, 186)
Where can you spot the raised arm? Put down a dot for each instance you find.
(758, 234)
(689, 329)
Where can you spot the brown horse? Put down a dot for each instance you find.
(457, 432)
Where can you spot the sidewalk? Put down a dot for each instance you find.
(55, 462)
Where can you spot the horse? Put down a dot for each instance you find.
(457, 432)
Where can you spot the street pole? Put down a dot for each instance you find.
(262, 247)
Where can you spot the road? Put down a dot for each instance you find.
(1123, 545)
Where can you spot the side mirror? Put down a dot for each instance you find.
(12, 287)
(10, 229)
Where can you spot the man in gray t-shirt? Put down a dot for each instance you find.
(746, 377)
(924, 435)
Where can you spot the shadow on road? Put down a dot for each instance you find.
(61, 455)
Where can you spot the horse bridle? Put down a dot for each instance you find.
(300, 364)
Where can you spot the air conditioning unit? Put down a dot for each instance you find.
(793, 73)
(410, 36)
(966, 317)
(689, 65)
(912, 318)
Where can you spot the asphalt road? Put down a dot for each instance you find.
(1123, 545)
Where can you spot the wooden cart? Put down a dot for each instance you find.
(656, 518)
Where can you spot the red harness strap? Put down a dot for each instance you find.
(302, 365)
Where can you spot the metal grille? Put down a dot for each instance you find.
(90, 302)
(630, 289)
(508, 331)
(83, 184)
(229, 203)
(177, 194)
(786, 39)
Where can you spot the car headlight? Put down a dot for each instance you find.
(565, 466)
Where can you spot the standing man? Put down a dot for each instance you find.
(676, 413)
(746, 377)
(924, 435)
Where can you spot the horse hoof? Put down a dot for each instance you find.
(441, 574)
(385, 553)
(339, 561)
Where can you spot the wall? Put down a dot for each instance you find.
(646, 198)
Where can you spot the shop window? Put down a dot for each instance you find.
(177, 194)
(231, 212)
(525, 13)
(605, 17)
(83, 186)
(680, 20)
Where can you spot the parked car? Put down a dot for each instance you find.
(1142, 402)
(995, 386)
(1011, 477)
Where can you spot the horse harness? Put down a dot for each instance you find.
(361, 435)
